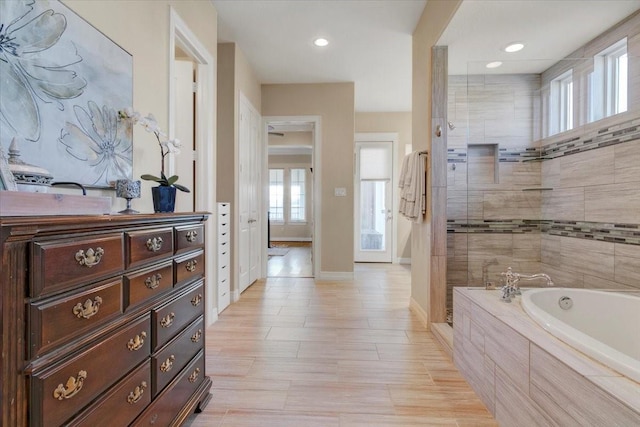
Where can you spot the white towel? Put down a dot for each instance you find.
(412, 187)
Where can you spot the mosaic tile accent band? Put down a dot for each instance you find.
(616, 134)
(616, 233)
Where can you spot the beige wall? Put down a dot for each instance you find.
(334, 103)
(434, 19)
(142, 29)
(292, 138)
(235, 76)
(400, 123)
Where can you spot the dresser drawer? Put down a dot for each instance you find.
(61, 264)
(148, 245)
(172, 358)
(189, 238)
(122, 403)
(223, 248)
(163, 409)
(223, 229)
(149, 283)
(188, 268)
(57, 393)
(55, 320)
(169, 319)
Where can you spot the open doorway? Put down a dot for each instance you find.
(190, 59)
(290, 198)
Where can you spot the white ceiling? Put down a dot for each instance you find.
(370, 44)
(550, 30)
(370, 40)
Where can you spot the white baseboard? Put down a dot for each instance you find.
(291, 239)
(419, 311)
(235, 296)
(212, 318)
(338, 276)
(406, 261)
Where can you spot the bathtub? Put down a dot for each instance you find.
(603, 325)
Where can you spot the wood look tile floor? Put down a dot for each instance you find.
(295, 263)
(305, 353)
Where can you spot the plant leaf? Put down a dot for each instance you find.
(182, 188)
(148, 177)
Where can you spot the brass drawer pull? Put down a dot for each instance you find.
(194, 375)
(89, 258)
(73, 387)
(88, 309)
(153, 281)
(137, 342)
(155, 244)
(167, 320)
(195, 301)
(191, 236)
(196, 337)
(191, 265)
(137, 393)
(167, 364)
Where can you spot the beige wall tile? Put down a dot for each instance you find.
(550, 250)
(527, 246)
(588, 257)
(513, 408)
(563, 204)
(627, 264)
(551, 173)
(581, 402)
(594, 167)
(562, 277)
(518, 175)
(486, 246)
(511, 204)
(592, 282)
(508, 349)
(627, 162)
(618, 203)
(456, 204)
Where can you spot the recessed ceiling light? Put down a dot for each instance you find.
(320, 42)
(514, 47)
(494, 64)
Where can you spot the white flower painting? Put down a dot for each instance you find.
(61, 85)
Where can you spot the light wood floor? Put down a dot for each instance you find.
(296, 263)
(296, 352)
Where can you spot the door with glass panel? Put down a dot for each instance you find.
(373, 202)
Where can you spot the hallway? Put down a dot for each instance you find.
(295, 352)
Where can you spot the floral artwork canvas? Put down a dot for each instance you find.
(62, 83)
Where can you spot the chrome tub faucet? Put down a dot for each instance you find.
(511, 286)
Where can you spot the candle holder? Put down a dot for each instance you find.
(128, 189)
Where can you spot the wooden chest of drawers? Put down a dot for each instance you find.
(102, 319)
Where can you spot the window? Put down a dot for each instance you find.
(276, 194)
(297, 199)
(608, 82)
(561, 103)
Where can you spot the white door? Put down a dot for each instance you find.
(184, 130)
(373, 202)
(254, 206)
(249, 195)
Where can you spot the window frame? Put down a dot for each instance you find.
(303, 192)
(605, 82)
(280, 219)
(561, 103)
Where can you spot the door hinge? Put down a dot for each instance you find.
(195, 87)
